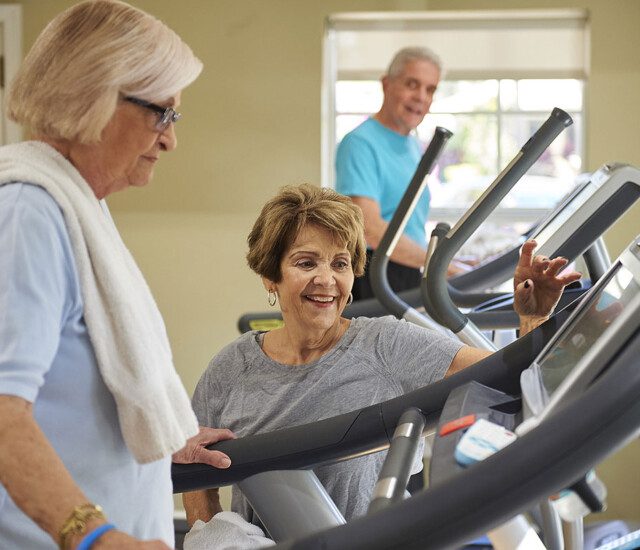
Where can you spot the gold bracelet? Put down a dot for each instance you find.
(77, 521)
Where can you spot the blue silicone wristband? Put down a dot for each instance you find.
(87, 542)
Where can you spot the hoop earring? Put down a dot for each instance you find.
(350, 299)
(272, 298)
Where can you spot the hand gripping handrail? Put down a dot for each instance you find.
(434, 285)
(378, 269)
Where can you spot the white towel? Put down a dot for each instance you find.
(123, 321)
(225, 531)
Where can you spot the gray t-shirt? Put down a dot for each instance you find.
(375, 360)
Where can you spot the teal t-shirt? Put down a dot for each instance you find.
(375, 162)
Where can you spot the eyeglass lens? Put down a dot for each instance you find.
(167, 118)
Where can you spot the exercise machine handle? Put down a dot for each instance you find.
(440, 305)
(378, 268)
(395, 472)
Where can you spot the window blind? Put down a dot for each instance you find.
(472, 45)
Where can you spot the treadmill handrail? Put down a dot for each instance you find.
(434, 286)
(378, 268)
(396, 469)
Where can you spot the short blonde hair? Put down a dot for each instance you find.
(87, 57)
(295, 207)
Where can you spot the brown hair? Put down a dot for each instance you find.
(294, 207)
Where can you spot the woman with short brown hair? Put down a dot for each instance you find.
(308, 246)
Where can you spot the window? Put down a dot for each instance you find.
(492, 101)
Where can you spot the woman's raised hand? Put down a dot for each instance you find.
(538, 283)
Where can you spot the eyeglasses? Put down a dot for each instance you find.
(167, 115)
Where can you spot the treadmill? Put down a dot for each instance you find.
(569, 390)
(578, 404)
(273, 482)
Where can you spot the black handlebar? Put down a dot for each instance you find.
(378, 269)
(440, 306)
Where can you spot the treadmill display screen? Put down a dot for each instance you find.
(565, 213)
(596, 315)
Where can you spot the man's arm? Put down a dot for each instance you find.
(406, 252)
(357, 177)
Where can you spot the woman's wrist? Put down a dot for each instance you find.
(91, 538)
(73, 542)
(83, 518)
(530, 322)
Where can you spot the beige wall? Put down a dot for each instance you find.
(252, 123)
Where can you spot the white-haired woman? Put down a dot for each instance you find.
(91, 408)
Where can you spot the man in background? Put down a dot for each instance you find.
(376, 161)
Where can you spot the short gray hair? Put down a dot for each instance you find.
(403, 56)
(89, 56)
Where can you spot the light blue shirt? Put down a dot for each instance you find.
(46, 358)
(375, 162)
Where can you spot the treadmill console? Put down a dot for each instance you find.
(603, 322)
(587, 214)
(560, 215)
